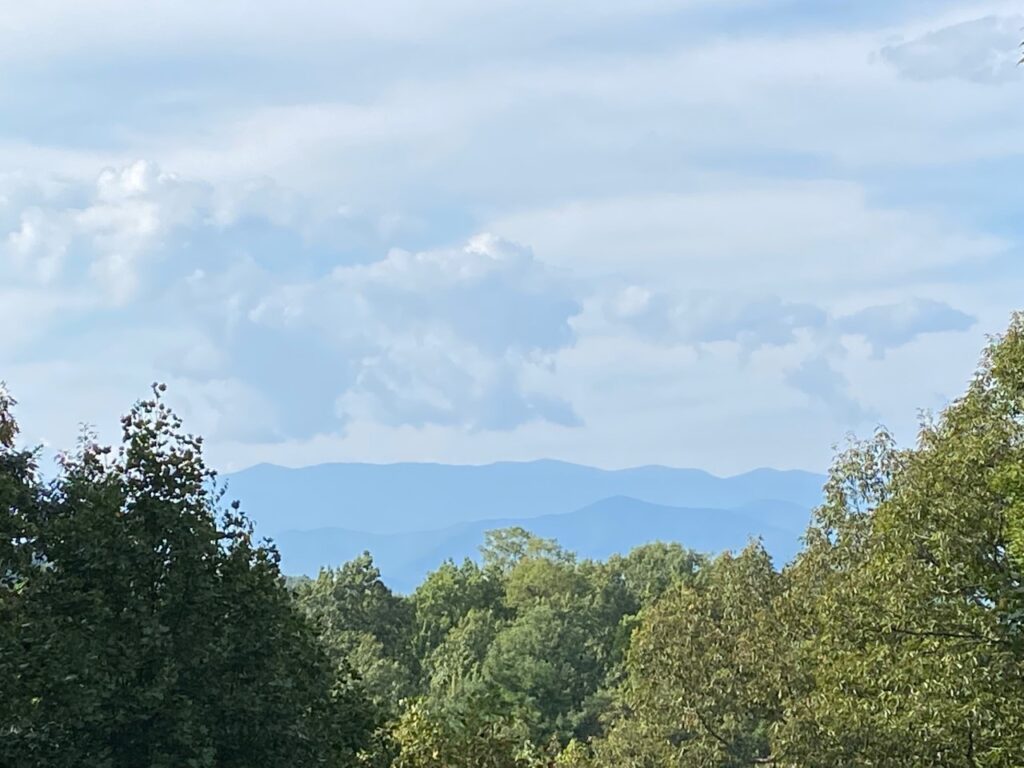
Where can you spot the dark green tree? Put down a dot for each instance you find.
(366, 626)
(447, 595)
(145, 627)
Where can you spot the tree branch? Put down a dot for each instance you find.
(728, 745)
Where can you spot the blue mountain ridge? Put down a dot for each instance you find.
(399, 498)
(610, 526)
(412, 517)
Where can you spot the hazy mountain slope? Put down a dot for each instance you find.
(611, 525)
(398, 498)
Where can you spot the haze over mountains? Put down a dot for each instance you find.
(412, 517)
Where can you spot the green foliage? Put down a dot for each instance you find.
(143, 628)
(458, 661)
(364, 626)
(505, 548)
(651, 570)
(463, 732)
(8, 426)
(697, 666)
(919, 620)
(446, 597)
(545, 666)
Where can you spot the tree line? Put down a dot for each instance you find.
(142, 624)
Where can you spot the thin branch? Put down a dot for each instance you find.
(948, 635)
(727, 744)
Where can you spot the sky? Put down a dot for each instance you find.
(722, 234)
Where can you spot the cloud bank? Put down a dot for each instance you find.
(714, 234)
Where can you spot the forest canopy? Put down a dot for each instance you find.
(141, 623)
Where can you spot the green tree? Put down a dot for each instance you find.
(364, 625)
(648, 571)
(21, 505)
(695, 691)
(466, 732)
(446, 596)
(550, 657)
(905, 606)
(458, 661)
(146, 628)
(545, 666)
(504, 548)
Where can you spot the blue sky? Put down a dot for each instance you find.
(713, 233)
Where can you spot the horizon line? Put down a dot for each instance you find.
(544, 460)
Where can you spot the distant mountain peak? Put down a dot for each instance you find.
(402, 497)
(613, 525)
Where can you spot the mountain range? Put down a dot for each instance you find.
(412, 517)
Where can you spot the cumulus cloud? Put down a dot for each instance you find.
(38, 246)
(725, 229)
(750, 321)
(456, 337)
(138, 222)
(134, 230)
(984, 50)
(890, 326)
(105, 230)
(755, 323)
(423, 386)
(436, 337)
(237, 307)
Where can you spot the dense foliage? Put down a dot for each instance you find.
(142, 626)
(139, 626)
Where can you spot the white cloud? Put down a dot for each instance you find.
(445, 336)
(485, 338)
(286, 28)
(890, 326)
(108, 229)
(37, 246)
(623, 119)
(731, 221)
(27, 314)
(782, 236)
(121, 229)
(983, 50)
(749, 321)
(437, 337)
(756, 321)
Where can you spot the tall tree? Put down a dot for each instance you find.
(911, 592)
(447, 595)
(697, 671)
(366, 626)
(149, 628)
